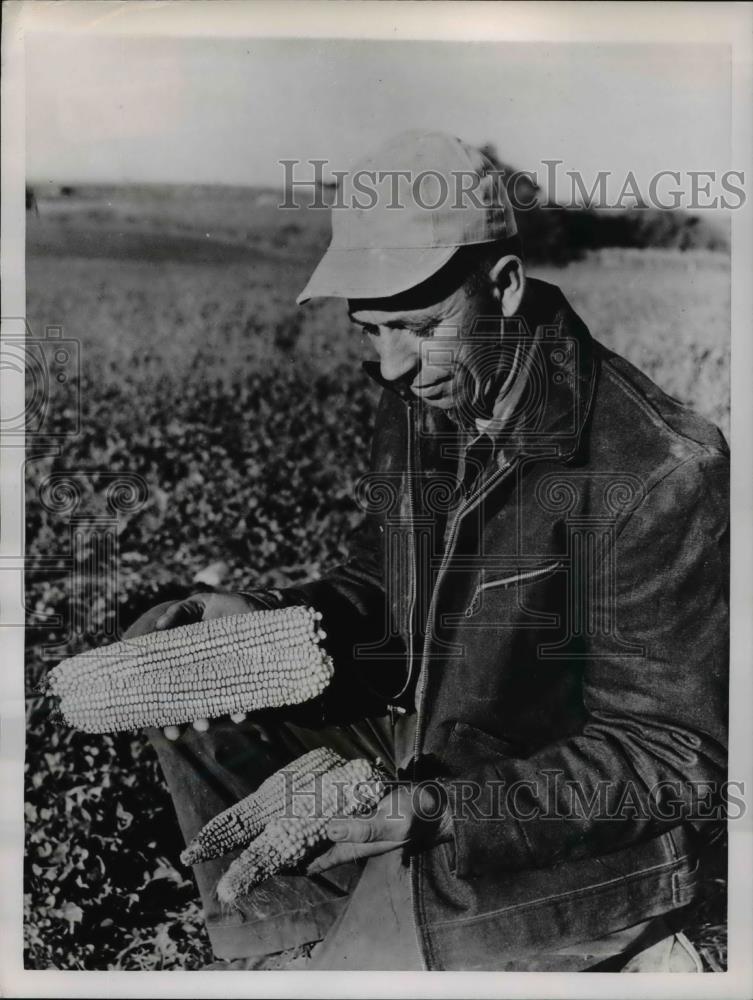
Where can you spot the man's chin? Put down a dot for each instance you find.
(440, 402)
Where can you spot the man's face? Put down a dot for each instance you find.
(430, 349)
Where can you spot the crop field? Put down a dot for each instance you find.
(241, 423)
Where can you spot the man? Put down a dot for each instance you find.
(531, 630)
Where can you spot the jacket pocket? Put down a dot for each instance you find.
(462, 732)
(572, 902)
(508, 581)
(685, 883)
(466, 743)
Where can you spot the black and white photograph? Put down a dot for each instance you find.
(372, 538)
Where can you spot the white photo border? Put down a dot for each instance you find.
(686, 23)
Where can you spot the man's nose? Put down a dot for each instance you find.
(399, 357)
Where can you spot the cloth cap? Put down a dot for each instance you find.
(404, 210)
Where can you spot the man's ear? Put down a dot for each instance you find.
(509, 279)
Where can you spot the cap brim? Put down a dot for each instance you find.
(372, 274)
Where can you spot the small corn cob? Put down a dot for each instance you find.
(288, 839)
(224, 666)
(238, 825)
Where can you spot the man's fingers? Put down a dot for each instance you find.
(386, 830)
(342, 853)
(182, 613)
(355, 831)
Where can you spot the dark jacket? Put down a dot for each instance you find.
(562, 629)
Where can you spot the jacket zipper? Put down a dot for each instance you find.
(412, 565)
(508, 581)
(413, 595)
(462, 510)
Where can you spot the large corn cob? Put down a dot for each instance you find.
(238, 825)
(287, 839)
(224, 666)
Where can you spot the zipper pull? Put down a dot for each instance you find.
(475, 604)
(394, 710)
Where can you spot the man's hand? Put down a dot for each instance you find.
(198, 607)
(410, 816)
(202, 607)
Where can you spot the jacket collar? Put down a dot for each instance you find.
(374, 372)
(552, 415)
(562, 375)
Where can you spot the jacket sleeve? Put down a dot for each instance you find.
(369, 658)
(652, 751)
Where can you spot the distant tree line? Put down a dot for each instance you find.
(557, 235)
